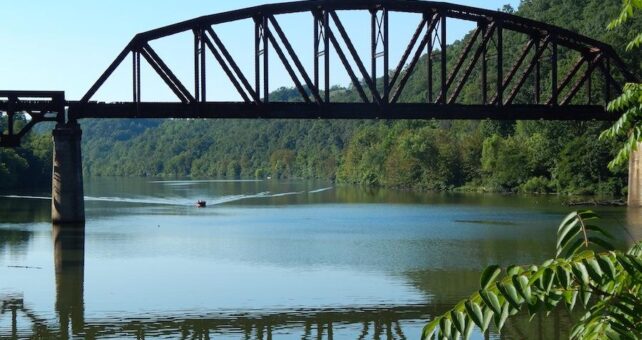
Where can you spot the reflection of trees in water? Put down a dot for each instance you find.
(12, 239)
(14, 210)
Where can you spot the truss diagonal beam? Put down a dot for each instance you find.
(406, 53)
(103, 77)
(228, 58)
(489, 31)
(414, 61)
(364, 73)
(226, 69)
(460, 62)
(539, 51)
(295, 59)
(166, 74)
(330, 38)
(518, 63)
(288, 67)
(589, 72)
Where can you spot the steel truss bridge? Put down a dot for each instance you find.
(504, 91)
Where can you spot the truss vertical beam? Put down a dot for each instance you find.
(136, 76)
(554, 94)
(538, 71)
(317, 43)
(198, 35)
(444, 59)
(326, 55)
(484, 67)
(374, 35)
(257, 56)
(429, 62)
(266, 59)
(203, 68)
(499, 96)
(386, 57)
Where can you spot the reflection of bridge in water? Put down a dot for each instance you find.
(362, 323)
(373, 322)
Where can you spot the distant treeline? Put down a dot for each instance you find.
(528, 156)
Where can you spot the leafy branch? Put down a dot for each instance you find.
(607, 285)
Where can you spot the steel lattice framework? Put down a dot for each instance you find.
(552, 96)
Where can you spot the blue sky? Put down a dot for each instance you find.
(66, 45)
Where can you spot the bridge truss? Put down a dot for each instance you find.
(521, 90)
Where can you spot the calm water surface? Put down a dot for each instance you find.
(266, 260)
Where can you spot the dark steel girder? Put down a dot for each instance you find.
(283, 110)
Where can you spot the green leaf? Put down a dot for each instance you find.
(488, 317)
(510, 293)
(572, 249)
(548, 279)
(445, 325)
(475, 313)
(594, 270)
(469, 330)
(600, 242)
(429, 329)
(489, 276)
(459, 320)
(491, 300)
(500, 319)
(521, 284)
(607, 266)
(581, 274)
(570, 297)
(513, 270)
(563, 277)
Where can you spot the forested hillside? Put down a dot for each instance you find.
(532, 156)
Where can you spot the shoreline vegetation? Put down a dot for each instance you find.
(431, 155)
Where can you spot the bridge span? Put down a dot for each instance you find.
(528, 85)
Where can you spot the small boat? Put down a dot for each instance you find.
(201, 204)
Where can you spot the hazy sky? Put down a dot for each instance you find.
(66, 45)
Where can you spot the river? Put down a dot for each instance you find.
(267, 259)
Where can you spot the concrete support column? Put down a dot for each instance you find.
(635, 177)
(67, 196)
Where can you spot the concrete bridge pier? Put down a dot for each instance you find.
(67, 196)
(635, 177)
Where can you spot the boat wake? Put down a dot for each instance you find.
(179, 201)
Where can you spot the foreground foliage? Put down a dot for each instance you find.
(630, 102)
(606, 285)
